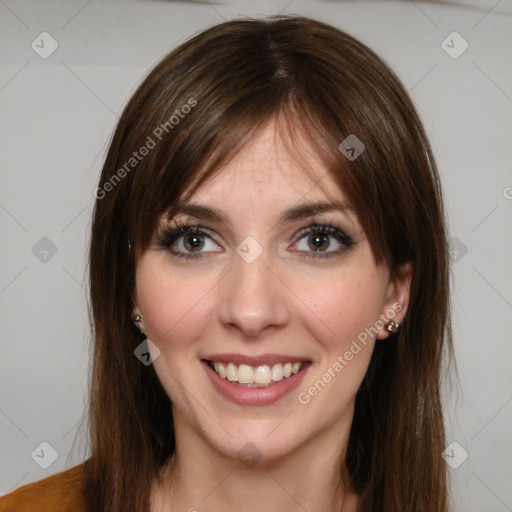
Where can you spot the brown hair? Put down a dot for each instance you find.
(194, 112)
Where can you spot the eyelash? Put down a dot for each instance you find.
(169, 236)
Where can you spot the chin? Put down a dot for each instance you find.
(253, 443)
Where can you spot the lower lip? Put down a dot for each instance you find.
(255, 396)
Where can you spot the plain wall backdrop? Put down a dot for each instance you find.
(67, 70)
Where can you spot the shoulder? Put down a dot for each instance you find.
(61, 492)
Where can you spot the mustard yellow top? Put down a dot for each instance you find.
(61, 492)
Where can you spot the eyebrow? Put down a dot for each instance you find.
(300, 211)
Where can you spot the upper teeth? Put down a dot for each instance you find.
(262, 374)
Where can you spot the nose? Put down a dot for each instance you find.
(254, 298)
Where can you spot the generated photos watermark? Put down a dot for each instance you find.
(305, 397)
(151, 142)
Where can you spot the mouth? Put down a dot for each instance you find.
(260, 376)
(254, 384)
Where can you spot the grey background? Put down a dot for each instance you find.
(57, 116)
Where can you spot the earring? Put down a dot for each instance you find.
(392, 327)
(138, 320)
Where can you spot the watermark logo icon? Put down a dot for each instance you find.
(44, 250)
(249, 249)
(44, 455)
(351, 147)
(44, 45)
(147, 352)
(454, 455)
(249, 454)
(457, 249)
(454, 45)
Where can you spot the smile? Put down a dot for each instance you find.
(257, 384)
(261, 376)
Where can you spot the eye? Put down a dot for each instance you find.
(319, 238)
(188, 241)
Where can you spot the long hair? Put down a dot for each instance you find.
(191, 115)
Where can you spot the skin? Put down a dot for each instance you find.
(280, 303)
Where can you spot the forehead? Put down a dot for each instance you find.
(266, 168)
(266, 182)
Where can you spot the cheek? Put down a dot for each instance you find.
(175, 305)
(344, 305)
(345, 308)
(335, 307)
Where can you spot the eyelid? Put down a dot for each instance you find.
(333, 231)
(179, 228)
(186, 222)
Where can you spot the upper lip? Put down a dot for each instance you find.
(254, 360)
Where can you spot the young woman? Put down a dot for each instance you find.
(269, 287)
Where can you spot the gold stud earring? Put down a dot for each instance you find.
(392, 327)
(138, 319)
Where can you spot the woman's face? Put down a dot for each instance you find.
(255, 288)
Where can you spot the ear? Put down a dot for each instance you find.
(135, 312)
(397, 298)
